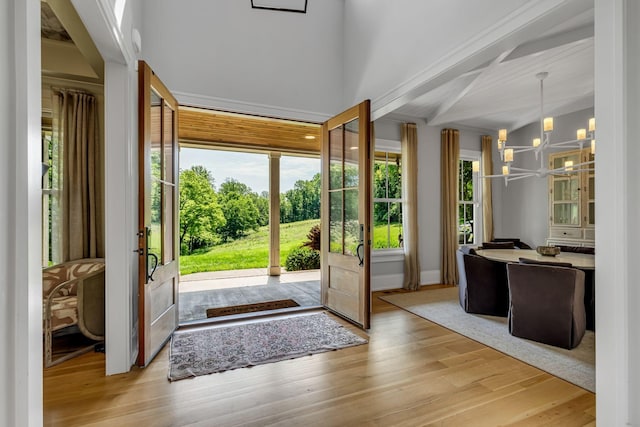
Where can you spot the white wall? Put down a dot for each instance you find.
(225, 49)
(522, 207)
(617, 108)
(20, 226)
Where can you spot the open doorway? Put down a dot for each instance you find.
(247, 227)
(72, 72)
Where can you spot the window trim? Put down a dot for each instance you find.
(474, 155)
(387, 254)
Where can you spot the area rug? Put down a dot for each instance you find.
(441, 306)
(251, 308)
(217, 349)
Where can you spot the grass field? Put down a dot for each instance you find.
(253, 250)
(249, 252)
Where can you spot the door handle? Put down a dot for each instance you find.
(360, 248)
(155, 265)
(360, 253)
(147, 233)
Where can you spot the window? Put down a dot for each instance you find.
(387, 201)
(50, 199)
(469, 221)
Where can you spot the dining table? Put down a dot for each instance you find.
(577, 260)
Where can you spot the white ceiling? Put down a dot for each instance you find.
(505, 93)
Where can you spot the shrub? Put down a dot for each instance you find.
(314, 238)
(302, 259)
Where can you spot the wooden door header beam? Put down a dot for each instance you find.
(208, 128)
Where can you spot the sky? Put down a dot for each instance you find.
(249, 168)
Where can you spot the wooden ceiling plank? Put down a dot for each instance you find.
(209, 128)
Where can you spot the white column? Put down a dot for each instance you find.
(120, 218)
(20, 216)
(274, 214)
(617, 109)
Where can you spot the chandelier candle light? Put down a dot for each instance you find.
(541, 145)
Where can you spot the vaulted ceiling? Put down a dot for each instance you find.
(505, 92)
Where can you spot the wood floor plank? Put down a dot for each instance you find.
(411, 373)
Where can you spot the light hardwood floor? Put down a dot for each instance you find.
(412, 373)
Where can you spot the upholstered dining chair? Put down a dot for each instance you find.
(482, 287)
(73, 296)
(589, 284)
(546, 303)
(516, 242)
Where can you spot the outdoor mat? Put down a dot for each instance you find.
(250, 308)
(441, 306)
(216, 349)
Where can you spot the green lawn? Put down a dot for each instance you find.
(249, 252)
(380, 236)
(253, 250)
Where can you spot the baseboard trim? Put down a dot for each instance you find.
(386, 282)
(430, 277)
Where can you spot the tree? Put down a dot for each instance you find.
(200, 213)
(262, 203)
(204, 172)
(239, 209)
(302, 201)
(231, 185)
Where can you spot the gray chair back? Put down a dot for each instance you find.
(547, 304)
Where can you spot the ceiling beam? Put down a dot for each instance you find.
(71, 22)
(455, 98)
(525, 24)
(540, 45)
(550, 42)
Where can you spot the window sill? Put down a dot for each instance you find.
(387, 255)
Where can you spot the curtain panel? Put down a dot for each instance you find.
(410, 209)
(80, 223)
(487, 198)
(449, 159)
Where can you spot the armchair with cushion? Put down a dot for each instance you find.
(483, 287)
(73, 295)
(547, 304)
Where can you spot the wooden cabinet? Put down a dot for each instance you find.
(572, 200)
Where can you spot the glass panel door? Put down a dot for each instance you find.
(565, 209)
(157, 215)
(346, 214)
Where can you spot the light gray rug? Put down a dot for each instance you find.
(216, 349)
(441, 306)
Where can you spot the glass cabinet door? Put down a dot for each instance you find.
(565, 189)
(591, 192)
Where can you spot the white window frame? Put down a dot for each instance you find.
(473, 155)
(388, 254)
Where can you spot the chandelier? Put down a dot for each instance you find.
(539, 146)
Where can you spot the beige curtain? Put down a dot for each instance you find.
(410, 206)
(449, 159)
(80, 222)
(487, 201)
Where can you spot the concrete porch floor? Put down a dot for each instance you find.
(239, 278)
(201, 291)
